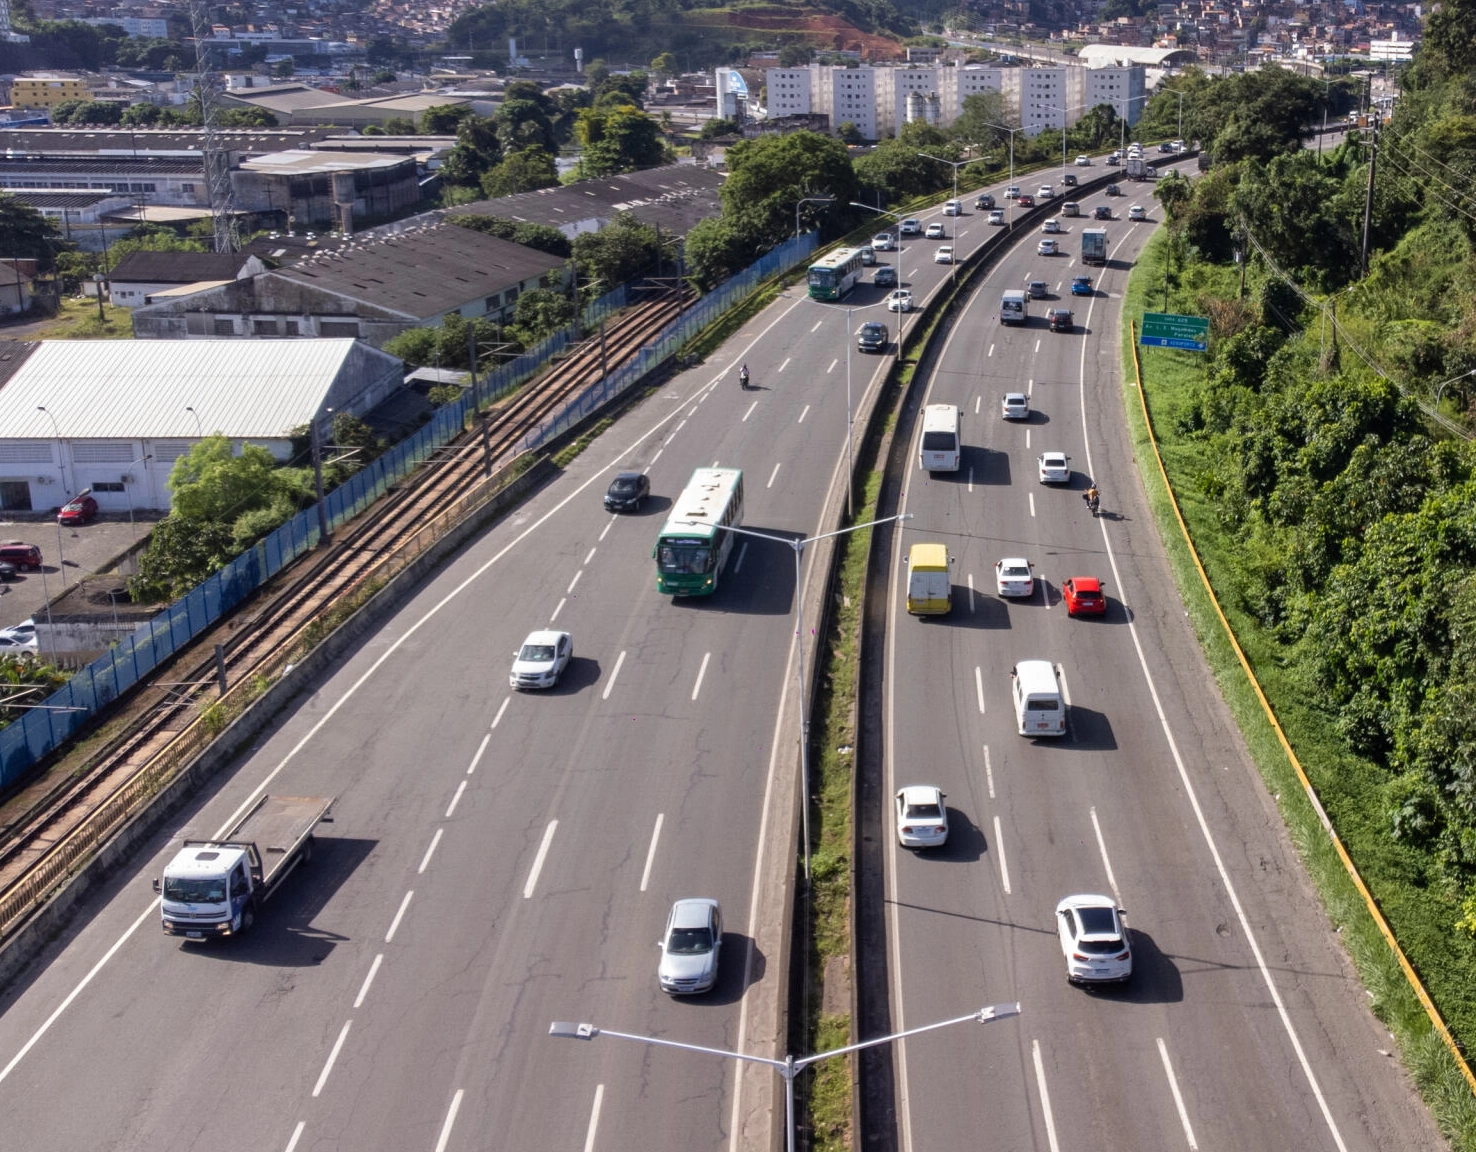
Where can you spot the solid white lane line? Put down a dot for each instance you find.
(430, 851)
(971, 591)
(785, 365)
(1045, 1096)
(482, 747)
(1004, 871)
(451, 808)
(606, 530)
(594, 1112)
(1106, 863)
(77, 991)
(368, 980)
(817, 325)
(657, 456)
(988, 772)
(296, 1136)
(773, 474)
(831, 369)
(651, 851)
(738, 563)
(749, 413)
(979, 687)
(701, 672)
(332, 1056)
(1168, 1070)
(971, 479)
(559, 607)
(445, 1136)
(590, 557)
(803, 414)
(570, 590)
(1193, 797)
(1032, 504)
(619, 660)
(399, 915)
(548, 835)
(495, 721)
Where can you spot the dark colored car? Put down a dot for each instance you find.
(984, 200)
(886, 276)
(1059, 318)
(80, 509)
(7, 571)
(1081, 286)
(23, 556)
(1102, 212)
(1069, 179)
(627, 492)
(1113, 190)
(872, 337)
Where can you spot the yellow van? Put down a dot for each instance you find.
(929, 580)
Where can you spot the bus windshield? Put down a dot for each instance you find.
(822, 278)
(684, 556)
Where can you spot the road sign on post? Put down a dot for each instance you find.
(1166, 330)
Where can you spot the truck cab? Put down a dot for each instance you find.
(208, 890)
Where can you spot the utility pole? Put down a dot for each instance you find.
(1373, 156)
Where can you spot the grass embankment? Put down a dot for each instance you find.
(78, 320)
(1349, 788)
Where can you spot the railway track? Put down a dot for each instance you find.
(42, 845)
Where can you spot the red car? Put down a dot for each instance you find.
(80, 509)
(1027, 201)
(1083, 596)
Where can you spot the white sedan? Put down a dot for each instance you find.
(900, 301)
(1055, 468)
(1083, 161)
(1015, 406)
(1012, 577)
(996, 216)
(944, 255)
(881, 242)
(541, 660)
(1093, 940)
(1048, 247)
(922, 817)
(936, 232)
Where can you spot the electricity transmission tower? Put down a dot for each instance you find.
(217, 161)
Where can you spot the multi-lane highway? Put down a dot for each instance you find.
(501, 860)
(1244, 1026)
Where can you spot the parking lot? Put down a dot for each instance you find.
(66, 554)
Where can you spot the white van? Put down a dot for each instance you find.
(941, 447)
(1012, 307)
(1040, 708)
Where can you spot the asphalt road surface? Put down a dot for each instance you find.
(499, 861)
(1244, 1025)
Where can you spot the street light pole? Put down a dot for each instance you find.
(798, 547)
(850, 463)
(199, 427)
(901, 316)
(127, 478)
(808, 200)
(318, 477)
(790, 1066)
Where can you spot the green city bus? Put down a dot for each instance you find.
(835, 274)
(694, 543)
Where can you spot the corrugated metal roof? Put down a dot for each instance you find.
(133, 389)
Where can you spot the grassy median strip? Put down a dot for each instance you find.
(834, 732)
(1347, 788)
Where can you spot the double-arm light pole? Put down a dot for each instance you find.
(808, 200)
(790, 1066)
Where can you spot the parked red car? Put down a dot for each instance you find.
(1083, 596)
(80, 509)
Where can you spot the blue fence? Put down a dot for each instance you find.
(94, 687)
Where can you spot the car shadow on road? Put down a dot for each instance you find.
(966, 841)
(1156, 978)
(285, 935)
(730, 987)
(653, 505)
(990, 612)
(1091, 731)
(582, 672)
(991, 468)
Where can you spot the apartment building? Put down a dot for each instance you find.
(876, 99)
(47, 90)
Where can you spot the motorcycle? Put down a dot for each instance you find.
(1093, 502)
(743, 378)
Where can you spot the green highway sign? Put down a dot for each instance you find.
(1165, 330)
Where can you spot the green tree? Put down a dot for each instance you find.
(620, 251)
(399, 126)
(522, 171)
(524, 123)
(718, 126)
(618, 138)
(665, 64)
(848, 133)
(1289, 207)
(894, 169)
(443, 119)
(1099, 128)
(794, 55)
(211, 483)
(626, 88)
(769, 175)
(1175, 194)
(541, 312)
(1450, 38)
(25, 233)
(180, 556)
(982, 121)
(544, 237)
(141, 115)
(717, 247)
(285, 67)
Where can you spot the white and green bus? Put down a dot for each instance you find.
(694, 543)
(835, 274)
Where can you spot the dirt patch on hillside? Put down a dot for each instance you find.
(823, 31)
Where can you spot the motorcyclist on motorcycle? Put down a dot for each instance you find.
(743, 376)
(1093, 498)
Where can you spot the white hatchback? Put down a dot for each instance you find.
(1048, 247)
(1015, 406)
(1051, 226)
(1136, 212)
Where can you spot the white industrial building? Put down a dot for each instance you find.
(879, 99)
(114, 415)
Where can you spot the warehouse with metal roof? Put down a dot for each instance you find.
(114, 415)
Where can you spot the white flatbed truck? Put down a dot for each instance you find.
(213, 887)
